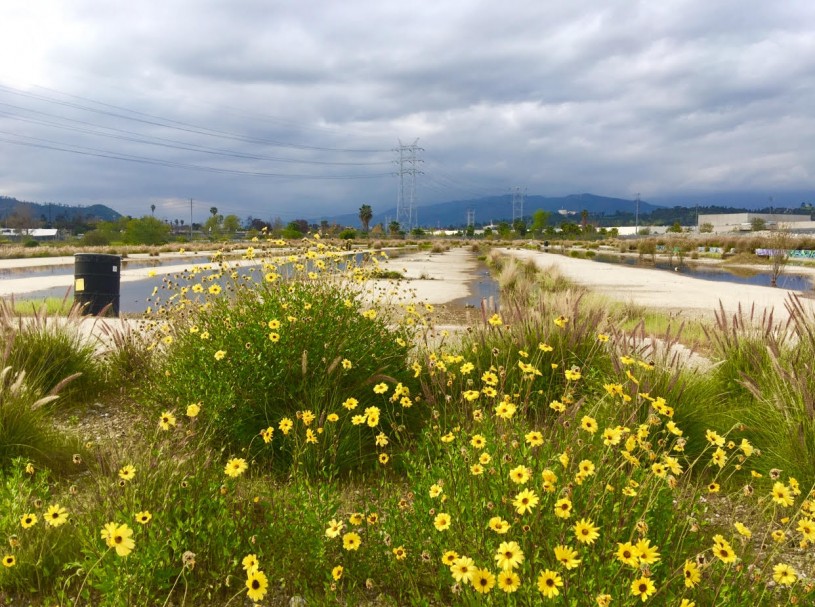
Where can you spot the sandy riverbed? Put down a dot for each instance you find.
(683, 295)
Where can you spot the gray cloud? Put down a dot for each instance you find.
(662, 98)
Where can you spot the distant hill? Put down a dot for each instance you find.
(499, 208)
(54, 212)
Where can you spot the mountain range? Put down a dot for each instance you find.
(48, 212)
(493, 209)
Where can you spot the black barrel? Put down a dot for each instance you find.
(96, 282)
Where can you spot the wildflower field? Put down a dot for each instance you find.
(288, 435)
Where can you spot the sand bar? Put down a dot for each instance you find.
(684, 295)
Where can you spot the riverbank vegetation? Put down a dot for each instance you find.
(286, 435)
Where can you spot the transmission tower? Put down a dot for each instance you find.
(406, 195)
(470, 218)
(518, 195)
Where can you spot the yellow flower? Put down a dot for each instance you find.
(478, 441)
(603, 600)
(463, 569)
(509, 555)
(9, 560)
(400, 553)
(28, 520)
(334, 528)
(482, 581)
(549, 582)
(499, 525)
(449, 557)
(585, 531)
(782, 495)
(525, 501)
(563, 508)
(495, 320)
(350, 403)
(274, 337)
(351, 541)
(627, 553)
(119, 537)
(383, 458)
(572, 374)
(648, 554)
(567, 556)
(193, 410)
(127, 473)
(806, 527)
(508, 581)
(336, 573)
(691, 573)
(285, 425)
(589, 424)
(723, 550)
(56, 515)
(643, 588)
(235, 467)
(355, 518)
(220, 354)
(561, 321)
(143, 517)
(784, 574)
(743, 529)
(442, 521)
(719, 457)
(534, 438)
(435, 490)
(520, 475)
(256, 584)
(381, 388)
(167, 420)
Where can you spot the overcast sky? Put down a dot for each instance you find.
(294, 108)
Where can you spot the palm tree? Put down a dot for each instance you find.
(213, 210)
(152, 209)
(365, 215)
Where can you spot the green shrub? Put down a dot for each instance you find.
(272, 351)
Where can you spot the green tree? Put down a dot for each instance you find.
(365, 216)
(393, 228)
(519, 226)
(676, 228)
(147, 230)
(231, 224)
(504, 230)
(540, 219)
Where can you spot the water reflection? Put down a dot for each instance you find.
(745, 276)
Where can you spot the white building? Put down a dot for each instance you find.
(744, 222)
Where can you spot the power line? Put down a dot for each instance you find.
(165, 142)
(40, 143)
(154, 120)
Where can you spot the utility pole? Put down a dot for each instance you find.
(190, 219)
(517, 203)
(637, 217)
(406, 195)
